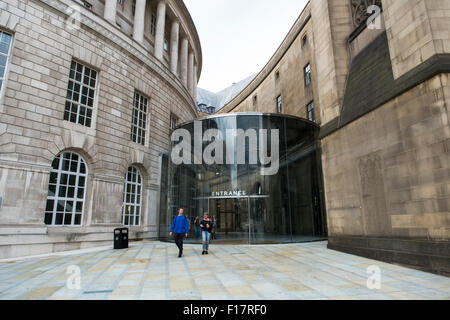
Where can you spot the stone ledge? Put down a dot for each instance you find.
(22, 166)
(426, 255)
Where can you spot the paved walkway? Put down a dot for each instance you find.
(151, 270)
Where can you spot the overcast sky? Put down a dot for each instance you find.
(238, 37)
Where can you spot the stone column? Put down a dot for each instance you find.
(190, 74)
(195, 84)
(160, 29)
(174, 37)
(184, 61)
(110, 11)
(139, 21)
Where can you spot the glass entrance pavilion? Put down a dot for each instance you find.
(262, 183)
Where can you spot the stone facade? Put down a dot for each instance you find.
(417, 30)
(33, 131)
(382, 98)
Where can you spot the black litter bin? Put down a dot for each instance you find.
(121, 238)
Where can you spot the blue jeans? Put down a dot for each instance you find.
(206, 237)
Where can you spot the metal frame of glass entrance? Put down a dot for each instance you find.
(237, 197)
(280, 207)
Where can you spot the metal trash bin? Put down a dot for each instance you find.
(121, 238)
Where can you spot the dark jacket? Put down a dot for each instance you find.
(205, 223)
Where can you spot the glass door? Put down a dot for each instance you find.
(257, 220)
(231, 220)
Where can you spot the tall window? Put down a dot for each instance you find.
(153, 24)
(279, 105)
(80, 94)
(132, 198)
(173, 122)
(307, 75)
(66, 191)
(310, 111)
(133, 8)
(139, 124)
(5, 48)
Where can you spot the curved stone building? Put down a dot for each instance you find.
(89, 92)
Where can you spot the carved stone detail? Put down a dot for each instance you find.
(359, 10)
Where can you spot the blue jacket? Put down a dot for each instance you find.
(180, 225)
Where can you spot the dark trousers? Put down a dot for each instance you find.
(179, 237)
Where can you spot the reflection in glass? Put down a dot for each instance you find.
(246, 205)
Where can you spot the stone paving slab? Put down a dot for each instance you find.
(152, 271)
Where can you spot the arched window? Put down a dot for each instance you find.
(66, 191)
(132, 198)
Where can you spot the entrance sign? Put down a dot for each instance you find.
(238, 193)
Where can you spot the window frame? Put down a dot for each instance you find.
(144, 137)
(82, 86)
(279, 104)
(153, 22)
(134, 204)
(173, 117)
(56, 198)
(307, 75)
(4, 79)
(308, 111)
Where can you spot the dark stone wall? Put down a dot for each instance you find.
(386, 162)
(426, 255)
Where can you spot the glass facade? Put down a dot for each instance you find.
(247, 204)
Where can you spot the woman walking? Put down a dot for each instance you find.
(206, 225)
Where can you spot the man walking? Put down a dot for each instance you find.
(180, 226)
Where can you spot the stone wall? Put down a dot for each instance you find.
(33, 132)
(387, 177)
(382, 99)
(417, 30)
